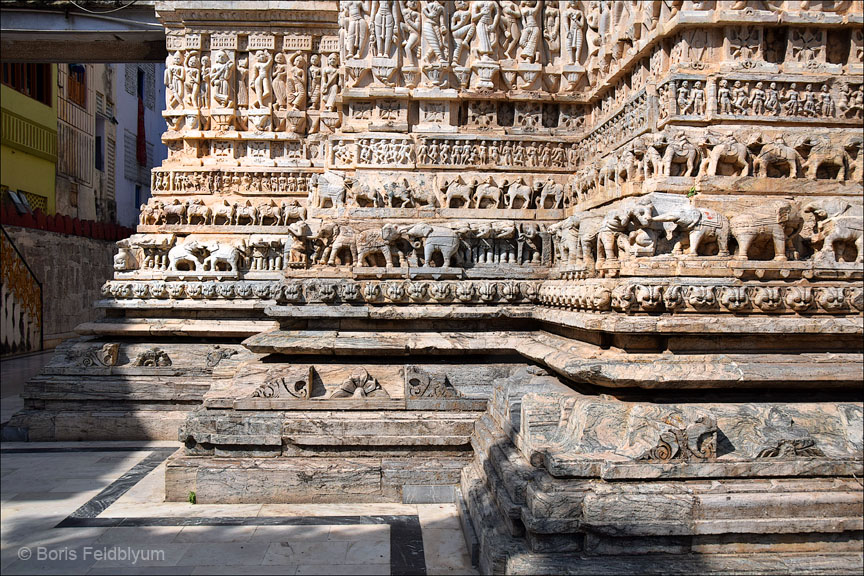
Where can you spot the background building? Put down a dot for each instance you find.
(78, 143)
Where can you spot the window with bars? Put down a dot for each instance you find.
(76, 87)
(33, 80)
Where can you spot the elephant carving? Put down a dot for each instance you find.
(699, 224)
(617, 223)
(779, 221)
(456, 190)
(777, 156)
(680, 151)
(824, 153)
(186, 256)
(836, 221)
(731, 152)
(225, 256)
(372, 242)
(432, 239)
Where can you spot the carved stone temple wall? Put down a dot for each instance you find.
(598, 264)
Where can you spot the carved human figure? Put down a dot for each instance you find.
(314, 88)
(724, 97)
(792, 101)
(575, 31)
(330, 83)
(280, 85)
(740, 97)
(552, 29)
(462, 29)
(358, 28)
(192, 80)
(296, 82)
(243, 81)
(206, 71)
(435, 32)
(384, 27)
(529, 40)
(826, 103)
(697, 97)
(221, 78)
(410, 29)
(510, 18)
(261, 84)
(772, 99)
(174, 80)
(684, 101)
(485, 17)
(809, 105)
(757, 99)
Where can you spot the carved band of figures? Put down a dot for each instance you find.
(814, 156)
(685, 297)
(679, 297)
(230, 182)
(825, 231)
(332, 291)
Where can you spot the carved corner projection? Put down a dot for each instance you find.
(782, 438)
(421, 384)
(217, 354)
(295, 383)
(696, 442)
(152, 358)
(105, 356)
(359, 385)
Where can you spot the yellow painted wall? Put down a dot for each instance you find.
(20, 169)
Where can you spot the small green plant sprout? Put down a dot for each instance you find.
(192, 498)
(692, 192)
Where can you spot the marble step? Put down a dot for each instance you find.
(307, 479)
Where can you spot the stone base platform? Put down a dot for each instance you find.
(409, 479)
(562, 483)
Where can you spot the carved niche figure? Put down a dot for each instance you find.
(192, 80)
(174, 80)
(261, 93)
(510, 18)
(384, 27)
(529, 40)
(330, 84)
(462, 29)
(243, 81)
(410, 29)
(575, 31)
(280, 73)
(314, 89)
(551, 30)
(485, 19)
(435, 32)
(358, 28)
(221, 78)
(296, 82)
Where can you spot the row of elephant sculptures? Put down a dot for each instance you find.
(226, 213)
(490, 193)
(780, 228)
(462, 244)
(813, 157)
(638, 297)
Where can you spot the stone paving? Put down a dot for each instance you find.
(107, 498)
